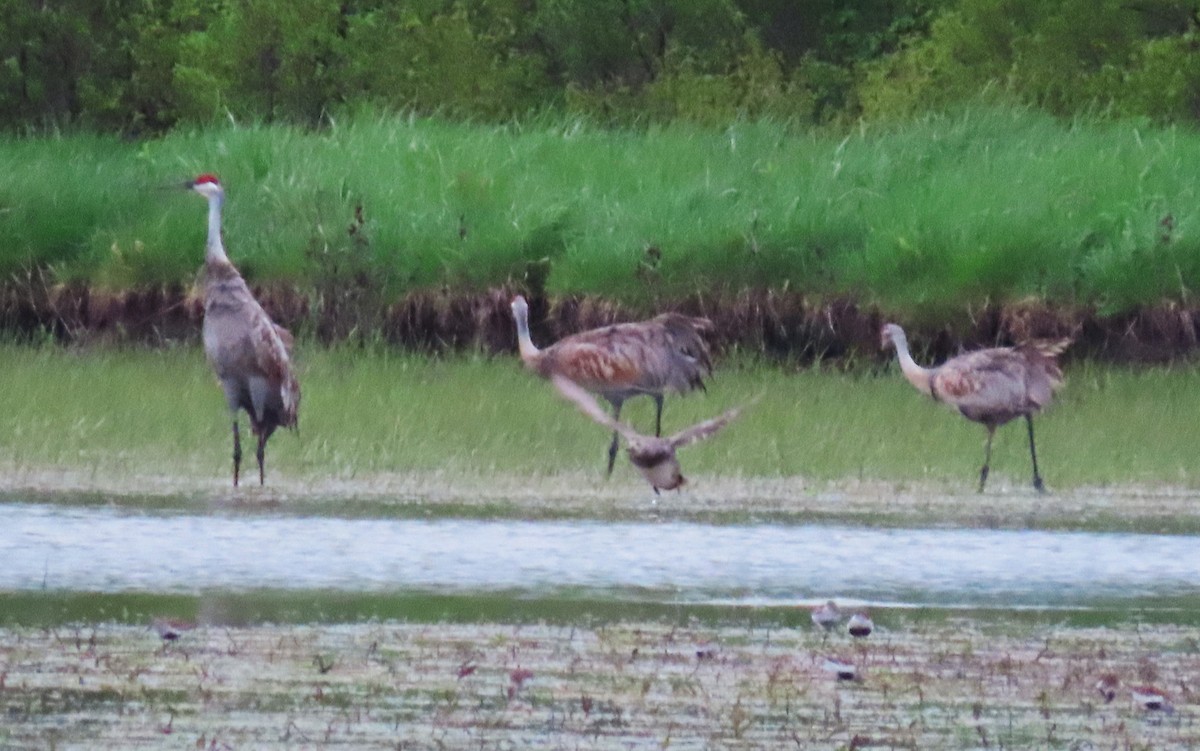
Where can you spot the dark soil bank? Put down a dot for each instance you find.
(780, 325)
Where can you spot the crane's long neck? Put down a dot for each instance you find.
(215, 250)
(918, 376)
(529, 351)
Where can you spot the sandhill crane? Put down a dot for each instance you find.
(989, 386)
(248, 351)
(667, 352)
(654, 457)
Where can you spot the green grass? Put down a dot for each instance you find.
(159, 413)
(924, 219)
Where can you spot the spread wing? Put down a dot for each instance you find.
(702, 430)
(588, 405)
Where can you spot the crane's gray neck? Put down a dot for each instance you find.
(215, 249)
(524, 340)
(918, 376)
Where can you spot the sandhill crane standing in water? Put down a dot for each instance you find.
(989, 386)
(667, 352)
(654, 457)
(248, 352)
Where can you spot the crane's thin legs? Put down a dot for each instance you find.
(1037, 478)
(260, 454)
(612, 447)
(237, 452)
(658, 401)
(987, 458)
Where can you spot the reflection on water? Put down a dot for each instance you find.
(109, 550)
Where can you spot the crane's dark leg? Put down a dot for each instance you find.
(987, 458)
(237, 452)
(658, 400)
(612, 447)
(260, 454)
(1037, 478)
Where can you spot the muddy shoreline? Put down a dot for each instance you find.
(584, 495)
(778, 325)
(922, 683)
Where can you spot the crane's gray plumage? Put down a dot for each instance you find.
(989, 386)
(249, 353)
(654, 457)
(666, 353)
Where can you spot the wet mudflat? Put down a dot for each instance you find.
(933, 683)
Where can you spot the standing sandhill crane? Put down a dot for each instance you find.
(654, 457)
(248, 351)
(989, 386)
(619, 361)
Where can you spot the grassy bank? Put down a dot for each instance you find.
(443, 432)
(923, 219)
(928, 683)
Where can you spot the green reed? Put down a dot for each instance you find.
(925, 218)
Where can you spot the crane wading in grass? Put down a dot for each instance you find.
(989, 386)
(654, 457)
(667, 352)
(247, 350)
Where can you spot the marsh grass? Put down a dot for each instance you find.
(366, 413)
(924, 218)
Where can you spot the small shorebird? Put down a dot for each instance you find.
(1151, 699)
(827, 616)
(844, 670)
(1107, 686)
(860, 625)
(652, 456)
(170, 629)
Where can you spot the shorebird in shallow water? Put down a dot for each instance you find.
(170, 629)
(989, 386)
(1107, 687)
(843, 669)
(860, 625)
(1151, 699)
(827, 616)
(652, 456)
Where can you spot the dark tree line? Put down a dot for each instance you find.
(144, 66)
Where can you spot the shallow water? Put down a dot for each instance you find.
(110, 550)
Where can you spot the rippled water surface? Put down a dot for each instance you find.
(111, 550)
